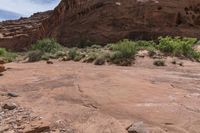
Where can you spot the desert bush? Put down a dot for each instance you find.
(47, 46)
(2, 51)
(60, 54)
(72, 53)
(177, 46)
(159, 63)
(141, 45)
(91, 57)
(126, 47)
(7, 56)
(46, 56)
(117, 58)
(95, 46)
(35, 55)
(100, 60)
(123, 52)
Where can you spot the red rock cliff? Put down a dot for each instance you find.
(103, 21)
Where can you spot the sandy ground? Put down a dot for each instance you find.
(85, 98)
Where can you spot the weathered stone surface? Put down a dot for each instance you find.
(9, 106)
(103, 21)
(37, 127)
(2, 68)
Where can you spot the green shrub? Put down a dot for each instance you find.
(196, 56)
(2, 51)
(126, 47)
(177, 46)
(123, 52)
(78, 57)
(90, 57)
(141, 45)
(100, 60)
(159, 63)
(72, 53)
(117, 58)
(46, 56)
(47, 46)
(7, 56)
(60, 54)
(35, 55)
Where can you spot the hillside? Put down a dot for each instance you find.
(108, 21)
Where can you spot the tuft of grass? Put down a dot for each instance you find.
(35, 55)
(47, 46)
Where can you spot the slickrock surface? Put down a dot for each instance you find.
(102, 21)
(84, 98)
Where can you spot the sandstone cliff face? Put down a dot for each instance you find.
(110, 20)
(19, 34)
(103, 21)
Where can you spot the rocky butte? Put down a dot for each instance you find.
(103, 21)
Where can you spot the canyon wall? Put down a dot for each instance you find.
(103, 21)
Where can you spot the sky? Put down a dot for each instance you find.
(14, 9)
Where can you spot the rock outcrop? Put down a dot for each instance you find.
(19, 34)
(103, 21)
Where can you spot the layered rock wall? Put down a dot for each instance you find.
(103, 21)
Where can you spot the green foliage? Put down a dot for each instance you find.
(91, 57)
(123, 52)
(141, 45)
(60, 54)
(177, 46)
(7, 56)
(47, 46)
(126, 47)
(117, 58)
(72, 53)
(196, 55)
(2, 51)
(35, 55)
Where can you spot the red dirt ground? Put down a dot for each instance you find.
(85, 98)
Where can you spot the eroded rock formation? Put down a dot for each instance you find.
(19, 34)
(103, 21)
